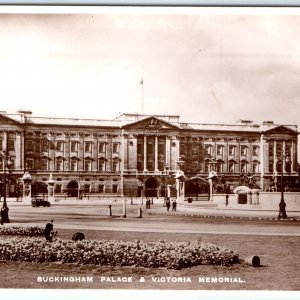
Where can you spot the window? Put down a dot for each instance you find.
(231, 167)
(182, 149)
(161, 146)
(279, 166)
(101, 147)
(231, 150)
(30, 145)
(30, 164)
(11, 145)
(150, 147)
(59, 165)
(73, 146)
(88, 147)
(44, 165)
(140, 163)
(101, 188)
(44, 146)
(139, 147)
(219, 167)
(219, 150)
(194, 149)
(243, 150)
(207, 149)
(73, 166)
(59, 146)
(101, 165)
(115, 147)
(87, 188)
(271, 150)
(87, 165)
(195, 166)
(115, 166)
(115, 188)
(271, 166)
(11, 165)
(1, 145)
(255, 168)
(255, 150)
(243, 167)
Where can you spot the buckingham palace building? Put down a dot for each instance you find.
(135, 152)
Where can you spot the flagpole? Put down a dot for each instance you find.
(142, 83)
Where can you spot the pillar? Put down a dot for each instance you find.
(283, 159)
(275, 157)
(145, 153)
(262, 163)
(26, 187)
(51, 184)
(156, 154)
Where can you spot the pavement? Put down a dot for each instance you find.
(201, 209)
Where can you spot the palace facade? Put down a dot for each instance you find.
(135, 151)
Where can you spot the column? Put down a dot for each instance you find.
(168, 150)
(156, 155)
(275, 157)
(122, 165)
(292, 157)
(5, 137)
(283, 158)
(262, 163)
(145, 153)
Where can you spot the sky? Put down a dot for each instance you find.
(206, 67)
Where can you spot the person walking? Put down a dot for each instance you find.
(49, 231)
(168, 204)
(174, 204)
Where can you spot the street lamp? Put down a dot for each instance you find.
(282, 212)
(4, 210)
(211, 177)
(180, 177)
(166, 180)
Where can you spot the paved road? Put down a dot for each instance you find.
(94, 216)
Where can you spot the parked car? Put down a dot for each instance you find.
(40, 202)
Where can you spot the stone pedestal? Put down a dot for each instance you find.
(26, 187)
(51, 184)
(180, 185)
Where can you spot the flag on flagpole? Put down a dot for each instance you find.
(142, 81)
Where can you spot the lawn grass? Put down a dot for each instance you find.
(279, 271)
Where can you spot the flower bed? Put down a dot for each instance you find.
(162, 254)
(23, 231)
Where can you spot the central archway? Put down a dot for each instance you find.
(151, 187)
(197, 188)
(72, 188)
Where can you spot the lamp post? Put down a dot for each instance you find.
(51, 184)
(180, 177)
(27, 186)
(5, 209)
(211, 176)
(166, 180)
(281, 156)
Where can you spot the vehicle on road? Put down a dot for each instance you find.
(37, 202)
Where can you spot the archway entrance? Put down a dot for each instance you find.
(39, 187)
(151, 187)
(72, 188)
(197, 188)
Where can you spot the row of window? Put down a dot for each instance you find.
(61, 165)
(87, 188)
(10, 145)
(232, 150)
(74, 146)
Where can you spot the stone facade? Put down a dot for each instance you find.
(119, 156)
